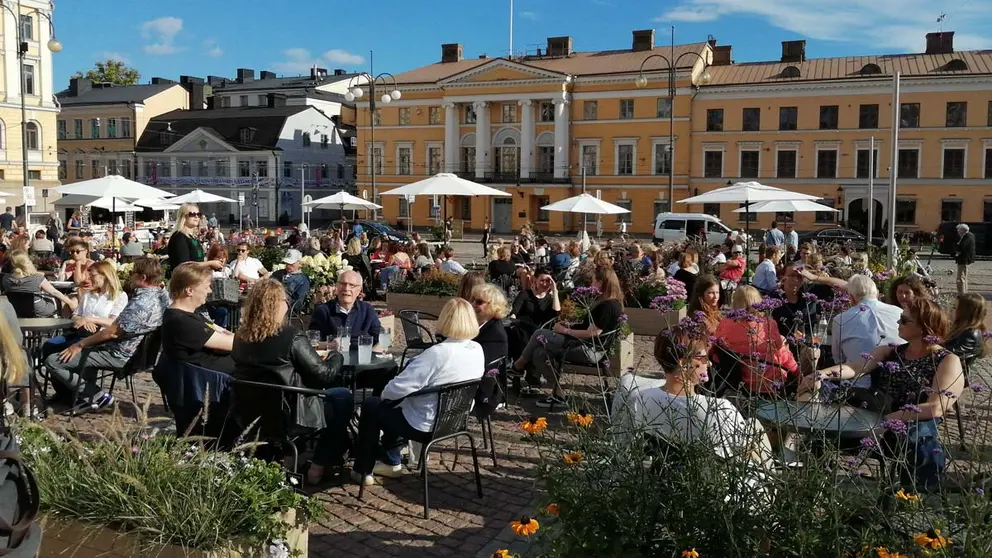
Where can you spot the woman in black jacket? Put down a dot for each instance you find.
(183, 244)
(490, 308)
(967, 337)
(267, 350)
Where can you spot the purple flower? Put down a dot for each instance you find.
(980, 492)
(492, 372)
(622, 319)
(135, 450)
(909, 407)
(868, 443)
(895, 425)
(932, 339)
(978, 388)
(542, 339)
(987, 335)
(891, 366)
(867, 356)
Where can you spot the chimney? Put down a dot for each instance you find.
(246, 74)
(940, 43)
(721, 55)
(161, 81)
(318, 73)
(190, 80)
(79, 86)
(265, 74)
(793, 51)
(340, 72)
(198, 95)
(643, 40)
(275, 100)
(559, 46)
(216, 81)
(451, 52)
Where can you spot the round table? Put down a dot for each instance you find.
(805, 417)
(36, 332)
(373, 375)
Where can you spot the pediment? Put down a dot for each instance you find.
(501, 70)
(200, 139)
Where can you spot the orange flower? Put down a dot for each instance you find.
(932, 540)
(690, 553)
(573, 457)
(534, 425)
(907, 497)
(579, 419)
(884, 553)
(525, 527)
(501, 553)
(551, 509)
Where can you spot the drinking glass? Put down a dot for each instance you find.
(314, 337)
(386, 338)
(364, 349)
(344, 339)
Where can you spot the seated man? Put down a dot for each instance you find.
(346, 310)
(297, 284)
(111, 347)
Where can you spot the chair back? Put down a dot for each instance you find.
(726, 371)
(146, 355)
(271, 407)
(414, 331)
(454, 403)
(23, 304)
(186, 387)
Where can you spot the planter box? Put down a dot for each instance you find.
(423, 303)
(66, 537)
(620, 360)
(645, 321)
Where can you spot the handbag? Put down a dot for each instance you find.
(224, 290)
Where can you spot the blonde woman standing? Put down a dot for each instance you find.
(184, 246)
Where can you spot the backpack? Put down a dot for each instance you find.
(20, 536)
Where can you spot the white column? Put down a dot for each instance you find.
(561, 138)
(11, 78)
(450, 137)
(233, 170)
(482, 139)
(140, 171)
(173, 167)
(526, 137)
(43, 71)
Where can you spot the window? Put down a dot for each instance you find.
(788, 118)
(785, 164)
(340, 171)
(509, 112)
(33, 136)
(466, 209)
(404, 208)
(306, 139)
(624, 217)
(785, 217)
(590, 159)
(111, 127)
(263, 100)
(247, 135)
(662, 158)
(79, 169)
(63, 170)
(989, 124)
(664, 107)
(909, 163)
(749, 216)
(287, 168)
(673, 225)
(712, 209)
(201, 168)
(625, 159)
(404, 161)
(750, 163)
(542, 215)
(868, 116)
(864, 162)
(547, 111)
(165, 137)
(590, 110)
(468, 159)
(243, 100)
(954, 162)
(826, 216)
(125, 127)
(126, 168)
(378, 160)
(377, 118)
(546, 159)
(434, 159)
(909, 115)
(829, 115)
(27, 28)
(433, 115)
(988, 163)
(470, 116)
(957, 114)
(325, 141)
(94, 128)
(661, 206)
(713, 164)
(405, 116)
(185, 169)
(826, 163)
(950, 210)
(34, 175)
(262, 168)
(63, 132)
(77, 128)
(626, 109)
(225, 102)
(714, 120)
(244, 169)
(111, 167)
(751, 120)
(905, 212)
(95, 169)
(506, 158)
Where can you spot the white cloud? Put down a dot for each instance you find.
(112, 56)
(338, 56)
(212, 49)
(528, 15)
(880, 24)
(300, 60)
(162, 34)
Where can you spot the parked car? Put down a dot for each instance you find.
(375, 228)
(839, 235)
(947, 238)
(675, 227)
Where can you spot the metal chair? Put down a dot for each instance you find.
(454, 405)
(144, 358)
(485, 420)
(416, 335)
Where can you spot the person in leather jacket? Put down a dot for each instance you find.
(268, 350)
(967, 337)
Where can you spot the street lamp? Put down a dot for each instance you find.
(355, 92)
(22, 50)
(642, 81)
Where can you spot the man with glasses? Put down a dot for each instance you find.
(345, 310)
(245, 267)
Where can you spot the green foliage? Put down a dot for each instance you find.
(270, 256)
(434, 282)
(111, 71)
(437, 233)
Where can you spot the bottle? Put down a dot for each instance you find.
(822, 330)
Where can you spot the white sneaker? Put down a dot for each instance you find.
(383, 470)
(357, 478)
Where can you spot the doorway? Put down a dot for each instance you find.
(502, 215)
(857, 216)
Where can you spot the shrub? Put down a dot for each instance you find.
(433, 282)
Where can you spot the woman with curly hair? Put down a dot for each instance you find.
(905, 290)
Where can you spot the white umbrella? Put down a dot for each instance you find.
(112, 186)
(199, 196)
(800, 206)
(156, 204)
(114, 205)
(445, 184)
(747, 192)
(584, 203)
(343, 201)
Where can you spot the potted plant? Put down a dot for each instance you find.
(426, 294)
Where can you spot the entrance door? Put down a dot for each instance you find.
(857, 216)
(502, 215)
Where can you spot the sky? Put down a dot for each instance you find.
(208, 37)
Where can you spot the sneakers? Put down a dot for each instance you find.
(552, 402)
(383, 470)
(96, 404)
(357, 478)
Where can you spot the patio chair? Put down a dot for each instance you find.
(143, 359)
(563, 364)
(484, 413)
(416, 335)
(192, 394)
(454, 405)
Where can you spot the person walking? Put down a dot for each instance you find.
(774, 237)
(487, 229)
(964, 255)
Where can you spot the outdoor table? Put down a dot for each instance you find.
(373, 375)
(804, 417)
(36, 332)
(64, 286)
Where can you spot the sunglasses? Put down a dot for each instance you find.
(194, 214)
(242, 250)
(77, 251)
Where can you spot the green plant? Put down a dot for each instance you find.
(270, 256)
(437, 233)
(434, 282)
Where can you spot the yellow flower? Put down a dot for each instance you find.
(690, 553)
(501, 553)
(534, 425)
(932, 540)
(907, 497)
(579, 419)
(551, 509)
(884, 553)
(525, 527)
(573, 457)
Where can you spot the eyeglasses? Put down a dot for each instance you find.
(350, 285)
(194, 214)
(242, 250)
(903, 320)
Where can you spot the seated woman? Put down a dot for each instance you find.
(218, 253)
(265, 346)
(501, 269)
(913, 385)
(797, 316)
(534, 306)
(603, 316)
(704, 300)
(490, 309)
(98, 307)
(756, 335)
(967, 336)
(468, 283)
(399, 262)
(906, 289)
(686, 272)
(188, 336)
(74, 267)
(24, 282)
(456, 359)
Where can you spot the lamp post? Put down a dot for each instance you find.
(22, 50)
(356, 92)
(642, 81)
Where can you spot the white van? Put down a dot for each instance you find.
(675, 227)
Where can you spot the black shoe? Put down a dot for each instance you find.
(550, 403)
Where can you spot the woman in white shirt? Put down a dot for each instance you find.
(456, 359)
(98, 307)
(245, 267)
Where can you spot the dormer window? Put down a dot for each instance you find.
(870, 69)
(248, 135)
(306, 139)
(791, 72)
(956, 65)
(324, 141)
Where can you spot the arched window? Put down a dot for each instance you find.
(791, 72)
(545, 153)
(466, 154)
(33, 136)
(506, 159)
(870, 69)
(956, 65)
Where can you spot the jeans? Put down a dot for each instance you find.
(546, 345)
(390, 421)
(79, 374)
(921, 450)
(220, 315)
(57, 344)
(339, 405)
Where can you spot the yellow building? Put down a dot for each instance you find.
(33, 27)
(534, 125)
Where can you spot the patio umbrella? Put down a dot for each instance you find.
(156, 204)
(800, 206)
(199, 196)
(114, 205)
(445, 184)
(343, 201)
(584, 203)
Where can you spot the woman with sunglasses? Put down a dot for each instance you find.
(245, 267)
(184, 246)
(75, 266)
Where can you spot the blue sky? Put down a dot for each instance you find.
(201, 37)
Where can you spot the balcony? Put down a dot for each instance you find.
(466, 174)
(509, 177)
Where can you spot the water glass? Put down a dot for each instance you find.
(364, 349)
(344, 339)
(386, 338)
(314, 337)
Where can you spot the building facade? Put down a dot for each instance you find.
(551, 124)
(33, 27)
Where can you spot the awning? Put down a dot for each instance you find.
(74, 200)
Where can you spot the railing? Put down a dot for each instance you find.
(502, 177)
(242, 182)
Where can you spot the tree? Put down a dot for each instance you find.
(111, 71)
